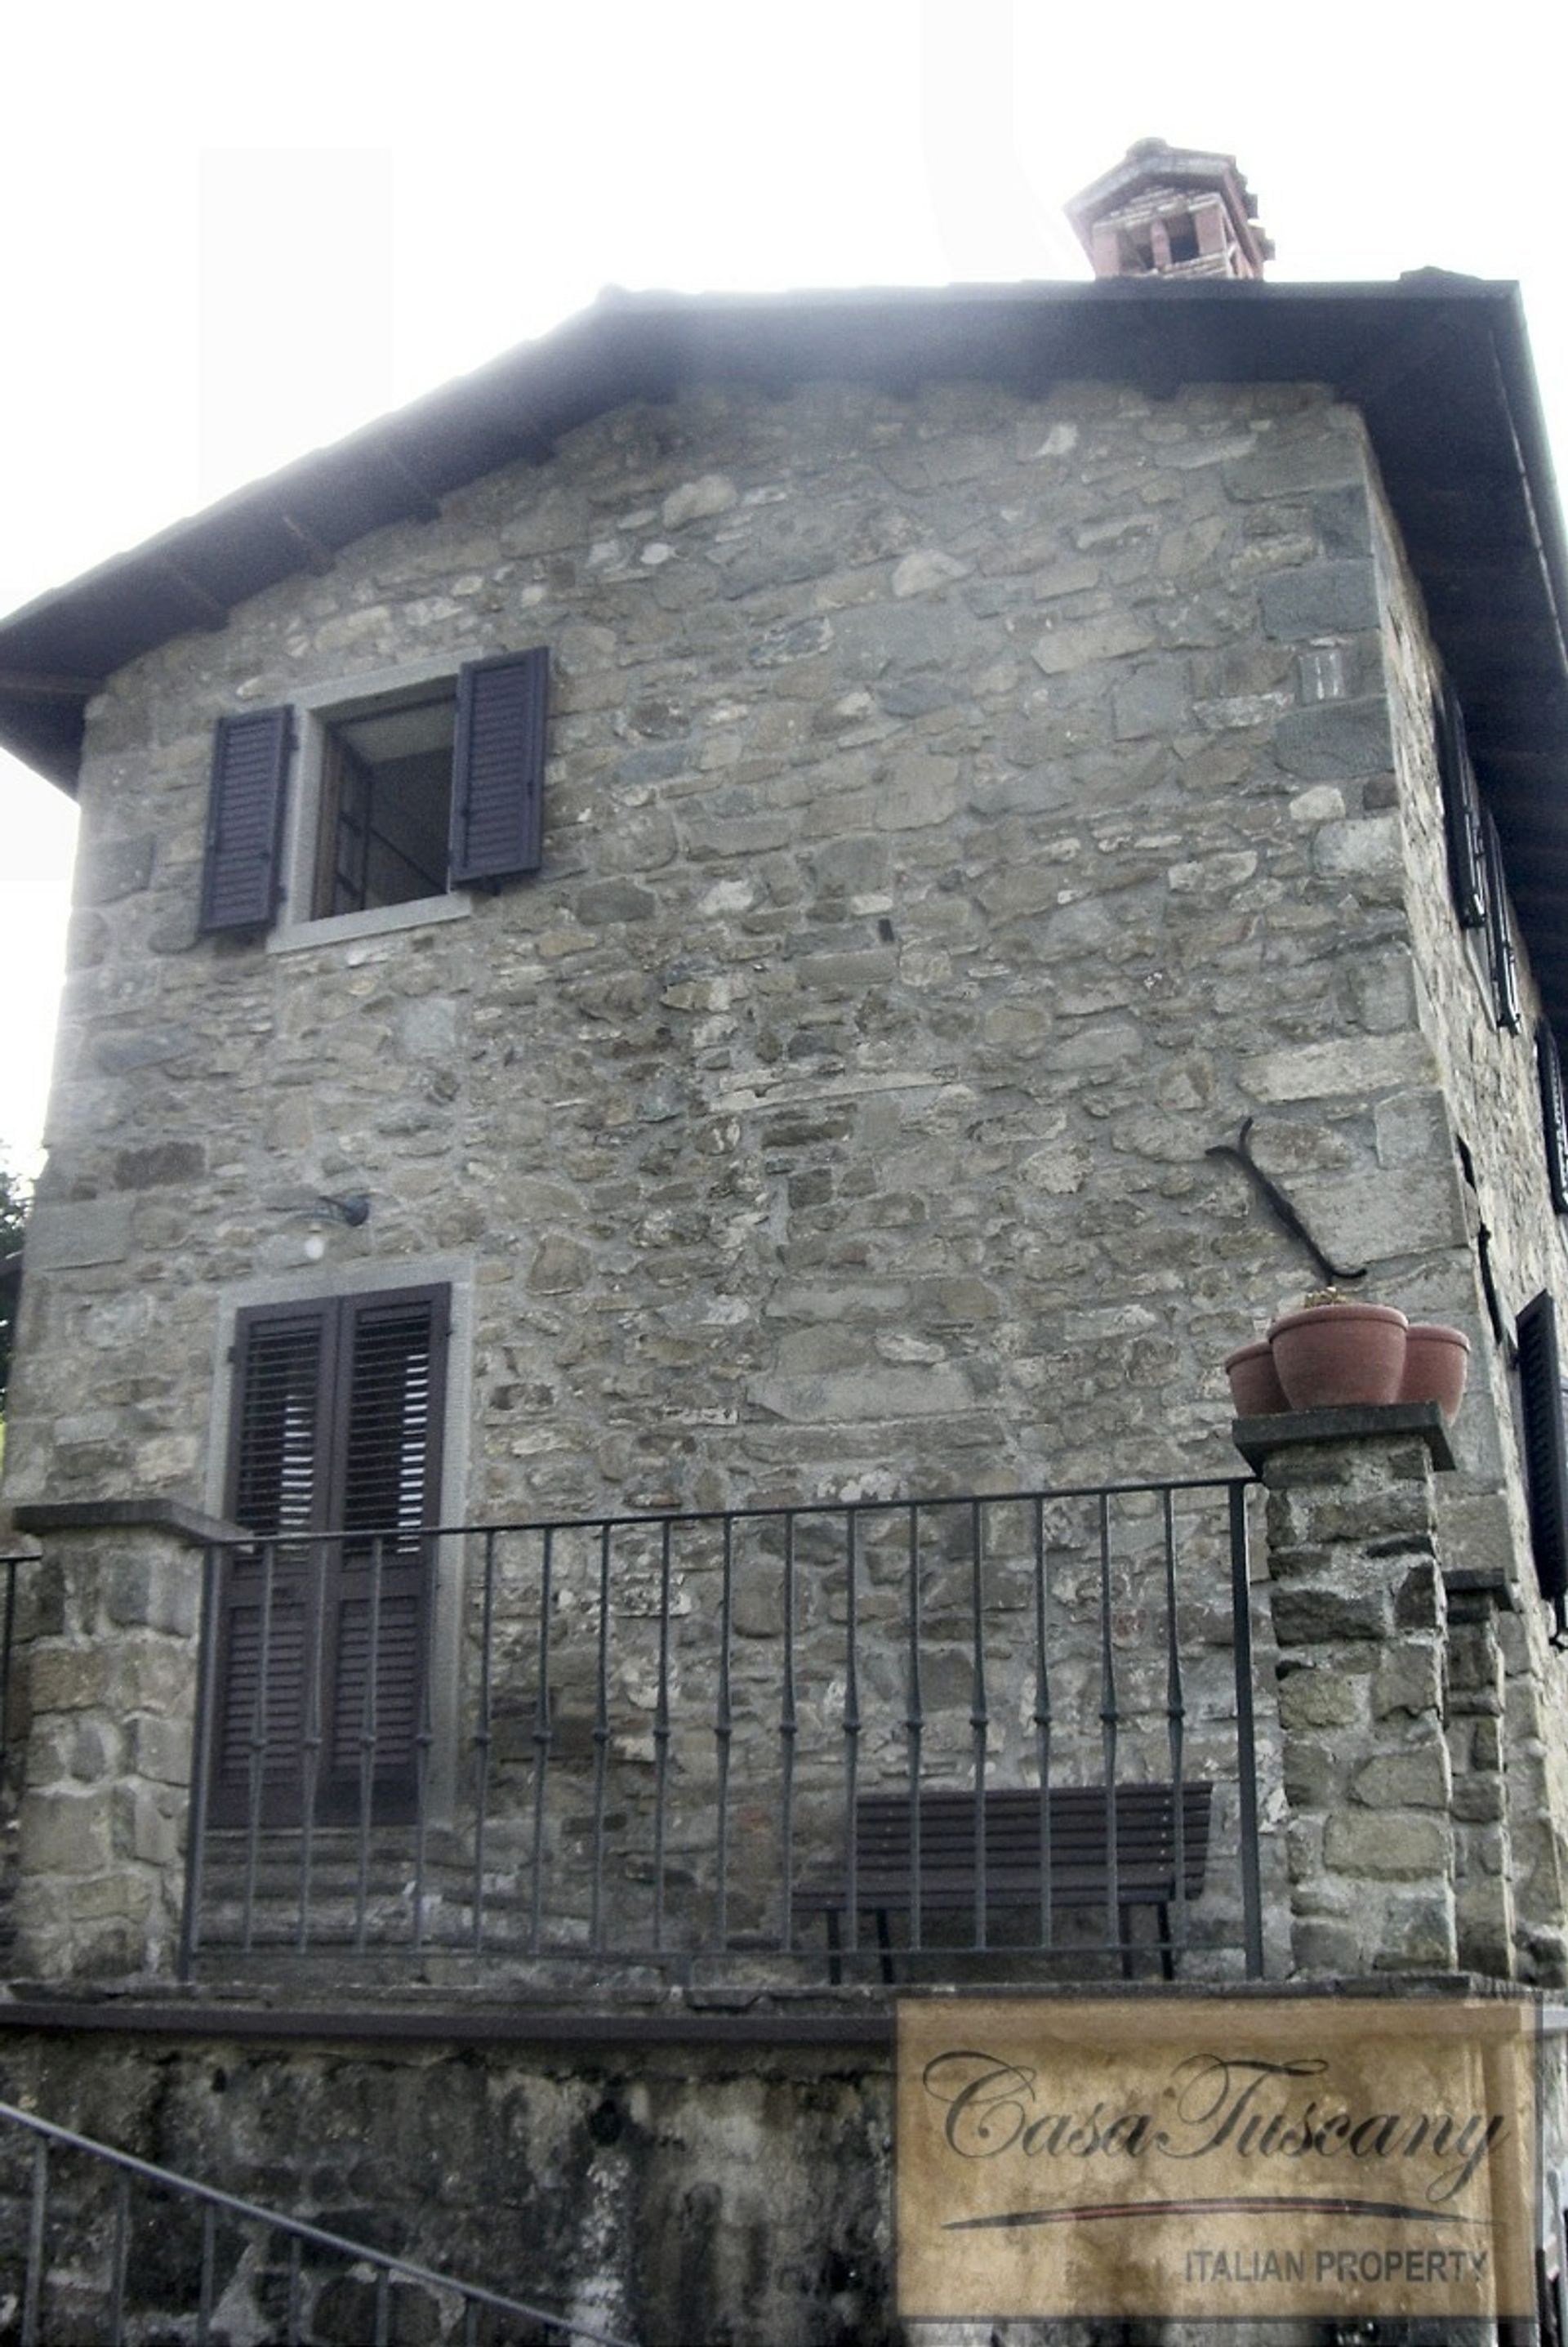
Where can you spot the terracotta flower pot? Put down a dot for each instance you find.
(1436, 1361)
(1339, 1355)
(1254, 1387)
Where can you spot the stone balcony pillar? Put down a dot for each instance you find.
(1361, 1630)
(107, 1675)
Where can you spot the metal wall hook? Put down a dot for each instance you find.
(1288, 1214)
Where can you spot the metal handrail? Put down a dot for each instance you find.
(46, 2133)
(266, 1787)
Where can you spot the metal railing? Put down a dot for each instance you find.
(643, 1739)
(71, 2266)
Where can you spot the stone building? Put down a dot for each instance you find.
(671, 949)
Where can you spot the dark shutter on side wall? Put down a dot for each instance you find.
(498, 767)
(240, 873)
(1499, 934)
(1554, 1113)
(1545, 1447)
(1461, 813)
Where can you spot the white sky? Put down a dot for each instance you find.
(234, 232)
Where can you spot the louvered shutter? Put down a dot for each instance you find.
(1545, 1447)
(242, 865)
(1461, 813)
(388, 1489)
(498, 767)
(267, 1691)
(1554, 1113)
(1499, 934)
(335, 1463)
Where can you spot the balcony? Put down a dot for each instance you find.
(991, 1737)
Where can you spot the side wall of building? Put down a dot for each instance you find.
(1489, 1101)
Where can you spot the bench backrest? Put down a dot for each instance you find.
(1071, 1831)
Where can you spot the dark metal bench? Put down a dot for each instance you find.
(1066, 1844)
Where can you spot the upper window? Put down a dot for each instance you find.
(411, 794)
(386, 808)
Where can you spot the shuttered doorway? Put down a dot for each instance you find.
(335, 1466)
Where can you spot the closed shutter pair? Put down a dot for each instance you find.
(335, 1469)
(497, 791)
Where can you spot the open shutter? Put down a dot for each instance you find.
(1545, 1447)
(1499, 934)
(1461, 813)
(1553, 1112)
(242, 871)
(498, 767)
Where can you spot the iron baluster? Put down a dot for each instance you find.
(296, 2310)
(852, 1728)
(383, 2306)
(1042, 1720)
(723, 1729)
(310, 1741)
(1110, 1721)
(1246, 1733)
(482, 1735)
(601, 1742)
(979, 1713)
(425, 1734)
(788, 1728)
(1176, 1724)
(542, 1734)
(661, 1733)
(369, 1729)
(914, 1724)
(258, 1772)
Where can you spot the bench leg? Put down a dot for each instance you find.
(1168, 1951)
(885, 1943)
(1125, 1914)
(835, 1957)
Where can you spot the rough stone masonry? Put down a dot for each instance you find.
(961, 811)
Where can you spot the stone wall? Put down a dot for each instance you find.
(947, 841)
(669, 2194)
(962, 813)
(1485, 1099)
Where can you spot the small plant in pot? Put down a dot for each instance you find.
(1338, 1352)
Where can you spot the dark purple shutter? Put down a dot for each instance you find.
(242, 871)
(1461, 813)
(498, 767)
(1545, 1448)
(1499, 934)
(1553, 1112)
(337, 1420)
